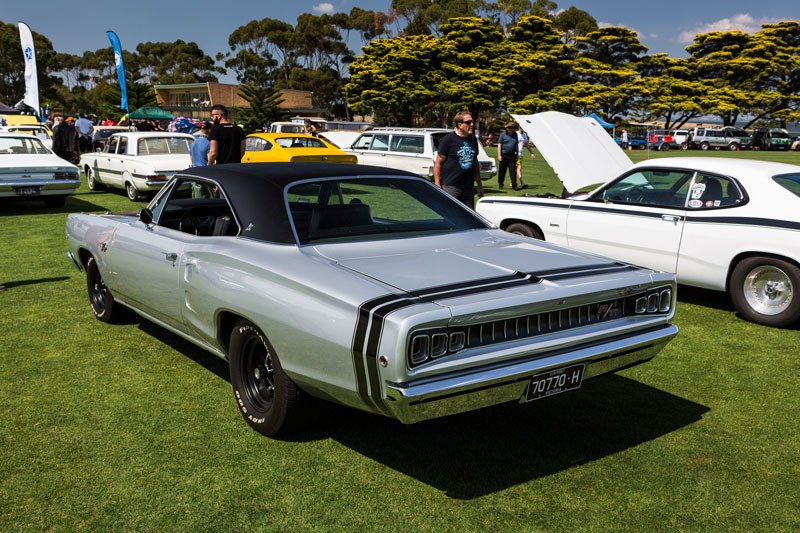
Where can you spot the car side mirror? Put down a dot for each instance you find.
(146, 216)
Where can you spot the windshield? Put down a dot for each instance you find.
(21, 145)
(373, 208)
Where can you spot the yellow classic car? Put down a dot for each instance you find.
(292, 147)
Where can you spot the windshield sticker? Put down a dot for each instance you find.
(697, 190)
(695, 203)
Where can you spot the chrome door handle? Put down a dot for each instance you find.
(671, 218)
(170, 256)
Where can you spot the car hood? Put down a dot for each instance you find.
(462, 258)
(580, 151)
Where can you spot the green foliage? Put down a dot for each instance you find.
(131, 428)
(264, 107)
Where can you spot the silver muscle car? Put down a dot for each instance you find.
(365, 286)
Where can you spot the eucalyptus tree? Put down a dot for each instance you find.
(425, 17)
(176, 62)
(261, 51)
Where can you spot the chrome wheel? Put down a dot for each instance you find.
(768, 290)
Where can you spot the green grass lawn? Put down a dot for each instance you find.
(129, 428)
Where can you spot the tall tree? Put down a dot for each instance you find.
(264, 107)
(178, 62)
(574, 23)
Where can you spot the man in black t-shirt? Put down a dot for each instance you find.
(226, 138)
(456, 169)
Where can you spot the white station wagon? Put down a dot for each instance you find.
(138, 162)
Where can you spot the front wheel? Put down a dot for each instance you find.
(704, 146)
(762, 290)
(100, 298)
(526, 230)
(270, 402)
(733, 147)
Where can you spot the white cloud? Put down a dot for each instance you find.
(742, 22)
(324, 7)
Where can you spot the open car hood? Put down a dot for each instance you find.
(580, 151)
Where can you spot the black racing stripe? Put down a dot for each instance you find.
(371, 315)
(745, 221)
(545, 273)
(359, 338)
(579, 274)
(467, 284)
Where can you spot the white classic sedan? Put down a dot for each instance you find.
(724, 224)
(28, 169)
(138, 162)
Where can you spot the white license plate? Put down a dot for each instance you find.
(554, 382)
(27, 191)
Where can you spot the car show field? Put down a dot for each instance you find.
(130, 427)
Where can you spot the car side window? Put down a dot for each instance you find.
(411, 144)
(123, 145)
(111, 147)
(380, 142)
(256, 144)
(711, 192)
(195, 206)
(363, 142)
(656, 187)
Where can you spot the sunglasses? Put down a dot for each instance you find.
(469, 122)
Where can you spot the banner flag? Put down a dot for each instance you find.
(31, 80)
(120, 68)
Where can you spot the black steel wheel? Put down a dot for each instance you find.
(100, 298)
(270, 402)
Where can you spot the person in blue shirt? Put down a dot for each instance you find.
(201, 145)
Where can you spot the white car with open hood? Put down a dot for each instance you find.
(137, 162)
(719, 223)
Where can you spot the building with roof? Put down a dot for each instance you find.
(194, 100)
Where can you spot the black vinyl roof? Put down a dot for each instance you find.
(255, 190)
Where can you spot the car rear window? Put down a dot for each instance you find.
(790, 182)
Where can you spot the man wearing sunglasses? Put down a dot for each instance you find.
(456, 169)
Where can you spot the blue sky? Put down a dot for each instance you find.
(74, 27)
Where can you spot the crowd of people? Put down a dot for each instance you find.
(219, 141)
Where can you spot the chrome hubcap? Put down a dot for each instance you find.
(768, 290)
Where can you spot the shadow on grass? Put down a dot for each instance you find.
(22, 283)
(487, 451)
(704, 297)
(77, 203)
(482, 452)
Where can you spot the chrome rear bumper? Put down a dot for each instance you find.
(450, 394)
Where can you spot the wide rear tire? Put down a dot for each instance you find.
(763, 291)
(270, 402)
